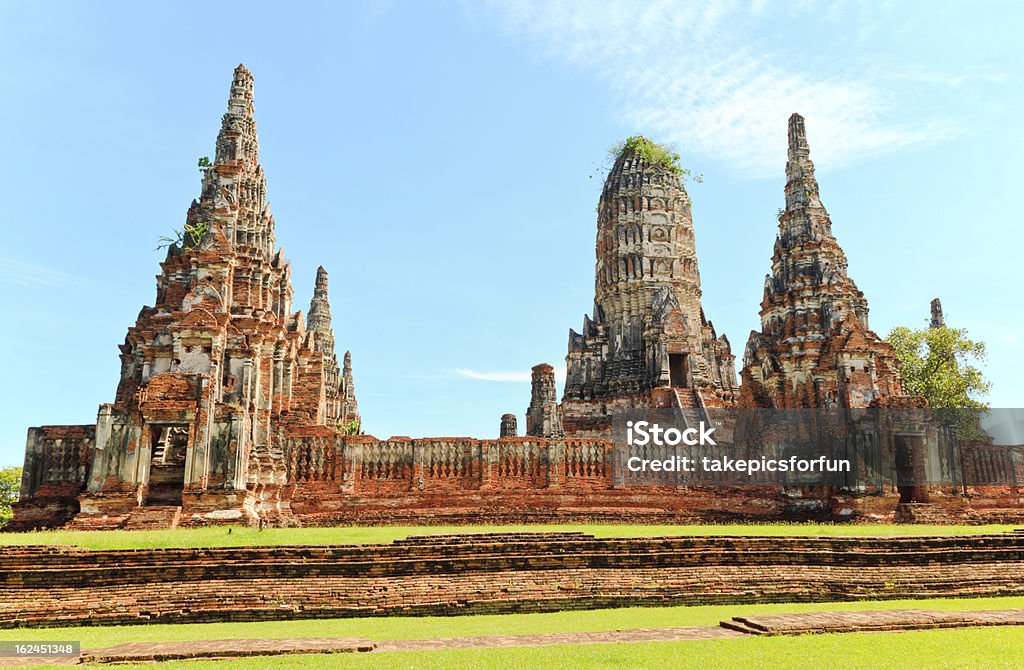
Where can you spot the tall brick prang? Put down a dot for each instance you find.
(648, 339)
(215, 376)
(815, 348)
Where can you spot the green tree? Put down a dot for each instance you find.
(10, 486)
(938, 363)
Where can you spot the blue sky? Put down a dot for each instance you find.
(442, 160)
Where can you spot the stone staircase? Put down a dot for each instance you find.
(493, 574)
(690, 406)
(97, 522)
(871, 621)
(157, 517)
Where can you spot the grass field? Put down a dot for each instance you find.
(966, 649)
(241, 536)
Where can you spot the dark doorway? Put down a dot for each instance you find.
(167, 465)
(910, 474)
(677, 370)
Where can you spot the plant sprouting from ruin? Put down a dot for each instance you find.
(654, 154)
(187, 237)
(204, 163)
(352, 427)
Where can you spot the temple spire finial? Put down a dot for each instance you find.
(938, 320)
(350, 408)
(237, 139)
(240, 99)
(319, 316)
(798, 147)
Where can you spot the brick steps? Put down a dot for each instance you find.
(268, 599)
(97, 522)
(430, 555)
(154, 518)
(870, 621)
(490, 573)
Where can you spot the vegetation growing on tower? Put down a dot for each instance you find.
(652, 153)
(190, 236)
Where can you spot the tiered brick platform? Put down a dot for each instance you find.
(870, 622)
(772, 624)
(494, 573)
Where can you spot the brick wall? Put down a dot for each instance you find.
(56, 467)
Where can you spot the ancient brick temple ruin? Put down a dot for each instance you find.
(648, 343)
(232, 408)
(814, 348)
(216, 378)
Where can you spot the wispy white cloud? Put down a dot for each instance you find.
(505, 376)
(720, 77)
(950, 79)
(22, 273)
(494, 376)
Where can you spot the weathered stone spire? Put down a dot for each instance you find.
(938, 320)
(239, 122)
(647, 300)
(798, 147)
(815, 347)
(319, 317)
(544, 416)
(351, 407)
(234, 187)
(805, 217)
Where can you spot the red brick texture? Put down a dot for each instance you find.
(476, 574)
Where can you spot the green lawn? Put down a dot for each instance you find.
(237, 537)
(397, 628)
(965, 649)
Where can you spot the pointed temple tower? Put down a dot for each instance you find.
(217, 374)
(340, 406)
(814, 348)
(648, 343)
(937, 320)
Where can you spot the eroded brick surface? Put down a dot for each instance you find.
(648, 330)
(517, 572)
(224, 389)
(870, 621)
(815, 348)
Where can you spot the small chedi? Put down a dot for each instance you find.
(231, 408)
